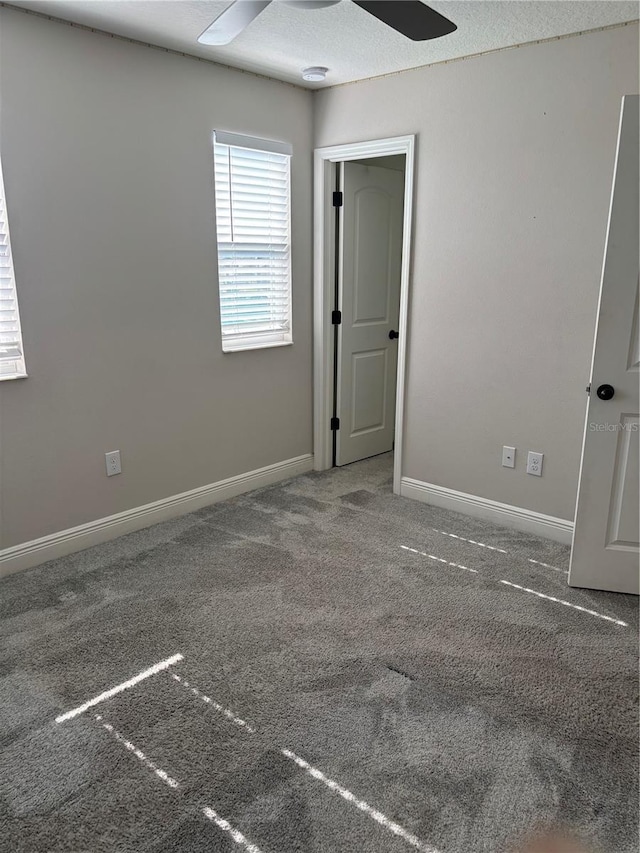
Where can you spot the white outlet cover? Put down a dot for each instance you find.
(508, 457)
(534, 463)
(112, 463)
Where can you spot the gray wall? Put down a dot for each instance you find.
(515, 158)
(107, 158)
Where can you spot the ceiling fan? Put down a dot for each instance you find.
(411, 18)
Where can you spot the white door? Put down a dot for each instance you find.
(370, 258)
(605, 552)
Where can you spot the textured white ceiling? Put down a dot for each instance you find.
(351, 43)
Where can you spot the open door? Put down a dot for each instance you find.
(605, 552)
(370, 259)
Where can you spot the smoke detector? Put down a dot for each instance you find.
(314, 74)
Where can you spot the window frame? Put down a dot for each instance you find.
(239, 341)
(21, 371)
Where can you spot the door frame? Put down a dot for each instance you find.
(324, 265)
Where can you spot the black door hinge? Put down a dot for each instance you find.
(588, 388)
(336, 318)
(335, 423)
(337, 199)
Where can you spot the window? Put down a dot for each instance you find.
(253, 201)
(12, 364)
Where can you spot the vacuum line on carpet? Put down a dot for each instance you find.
(494, 548)
(471, 541)
(347, 795)
(237, 836)
(566, 603)
(153, 670)
(547, 566)
(243, 724)
(378, 816)
(438, 559)
(139, 754)
(209, 813)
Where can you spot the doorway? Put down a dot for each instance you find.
(362, 260)
(368, 210)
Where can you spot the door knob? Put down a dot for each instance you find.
(605, 392)
(393, 335)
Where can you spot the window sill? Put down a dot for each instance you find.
(249, 344)
(15, 376)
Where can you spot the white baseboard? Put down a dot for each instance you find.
(29, 554)
(547, 526)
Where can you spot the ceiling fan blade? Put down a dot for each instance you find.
(411, 18)
(232, 21)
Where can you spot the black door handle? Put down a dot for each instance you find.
(605, 392)
(393, 335)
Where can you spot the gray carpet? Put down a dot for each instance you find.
(338, 691)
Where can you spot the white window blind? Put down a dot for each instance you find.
(12, 363)
(252, 186)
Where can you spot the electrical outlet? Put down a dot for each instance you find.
(534, 463)
(508, 457)
(112, 460)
